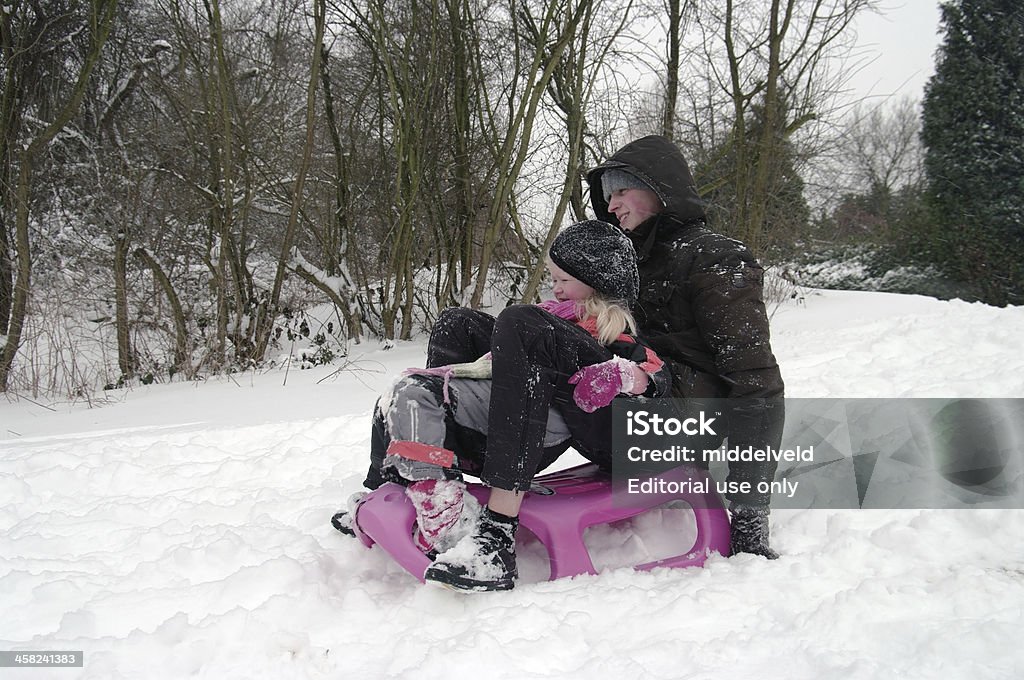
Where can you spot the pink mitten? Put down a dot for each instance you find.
(598, 384)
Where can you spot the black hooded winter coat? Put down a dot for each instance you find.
(700, 305)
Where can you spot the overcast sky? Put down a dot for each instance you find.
(900, 45)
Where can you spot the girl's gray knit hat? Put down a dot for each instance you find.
(614, 179)
(600, 256)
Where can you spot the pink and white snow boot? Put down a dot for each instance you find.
(444, 513)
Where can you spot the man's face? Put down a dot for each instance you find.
(633, 206)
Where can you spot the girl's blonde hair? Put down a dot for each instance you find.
(612, 317)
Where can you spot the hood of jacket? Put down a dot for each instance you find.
(660, 164)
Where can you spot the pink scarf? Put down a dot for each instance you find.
(566, 309)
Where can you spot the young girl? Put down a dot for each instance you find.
(512, 411)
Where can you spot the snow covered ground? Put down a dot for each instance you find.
(182, 531)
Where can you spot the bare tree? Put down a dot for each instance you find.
(877, 171)
(225, 148)
(571, 91)
(97, 22)
(337, 234)
(882, 146)
(540, 35)
(406, 44)
(777, 65)
(269, 310)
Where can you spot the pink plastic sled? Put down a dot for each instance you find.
(581, 497)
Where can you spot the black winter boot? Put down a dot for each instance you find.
(750, 530)
(484, 560)
(344, 521)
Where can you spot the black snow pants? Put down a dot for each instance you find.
(534, 353)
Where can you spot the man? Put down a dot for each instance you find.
(698, 305)
(700, 308)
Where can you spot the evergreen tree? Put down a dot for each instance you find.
(973, 132)
(786, 213)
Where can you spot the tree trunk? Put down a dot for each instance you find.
(336, 242)
(182, 362)
(22, 282)
(675, 20)
(464, 218)
(265, 324)
(512, 150)
(572, 89)
(125, 356)
(766, 146)
(6, 274)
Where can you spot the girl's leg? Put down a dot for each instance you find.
(417, 419)
(459, 335)
(534, 353)
(420, 418)
(379, 441)
(410, 444)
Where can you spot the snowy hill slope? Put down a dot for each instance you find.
(182, 531)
